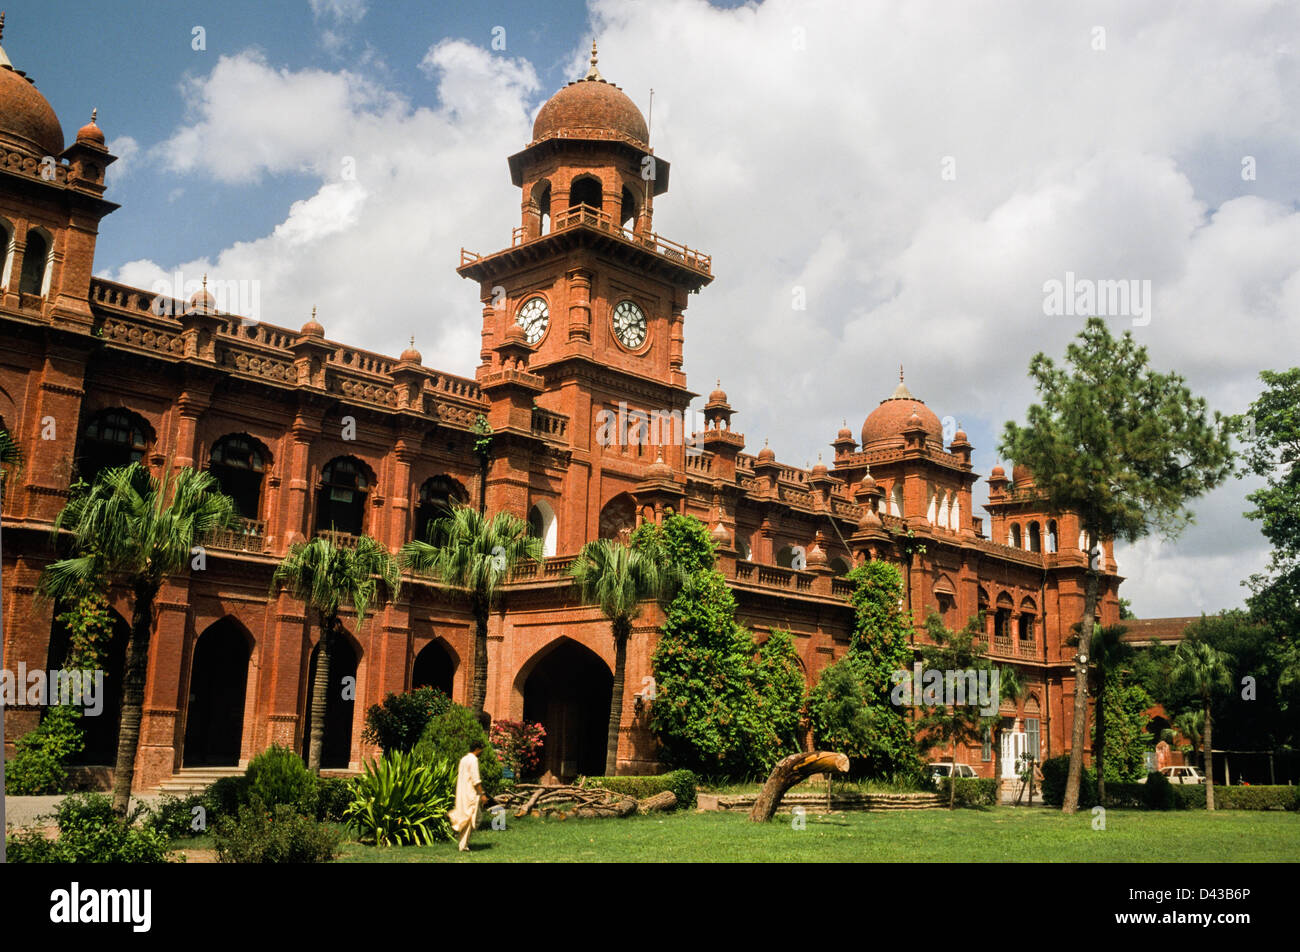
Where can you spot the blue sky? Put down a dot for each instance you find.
(809, 144)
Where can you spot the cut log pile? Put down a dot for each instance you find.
(570, 801)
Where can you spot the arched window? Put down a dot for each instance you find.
(35, 264)
(785, 557)
(7, 251)
(627, 214)
(239, 464)
(954, 517)
(945, 508)
(542, 199)
(112, 438)
(618, 518)
(840, 566)
(341, 498)
(438, 496)
(896, 501)
(585, 191)
(746, 551)
(1051, 535)
(1035, 538)
(932, 507)
(1002, 618)
(1013, 535)
(541, 523)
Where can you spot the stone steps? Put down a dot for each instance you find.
(815, 802)
(191, 780)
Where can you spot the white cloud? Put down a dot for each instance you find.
(340, 11)
(820, 166)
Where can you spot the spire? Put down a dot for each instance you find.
(901, 392)
(412, 340)
(593, 73)
(94, 113)
(4, 60)
(2, 25)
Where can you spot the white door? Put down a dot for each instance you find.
(1014, 745)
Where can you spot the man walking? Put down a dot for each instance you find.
(469, 796)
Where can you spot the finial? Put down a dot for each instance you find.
(819, 457)
(765, 441)
(205, 276)
(412, 340)
(2, 25)
(94, 114)
(719, 383)
(900, 373)
(313, 312)
(593, 73)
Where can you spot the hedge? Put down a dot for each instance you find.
(971, 791)
(1192, 797)
(680, 782)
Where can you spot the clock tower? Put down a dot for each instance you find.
(582, 323)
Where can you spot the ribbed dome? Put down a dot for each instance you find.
(91, 132)
(27, 121)
(591, 108)
(888, 421)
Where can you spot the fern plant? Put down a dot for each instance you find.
(398, 801)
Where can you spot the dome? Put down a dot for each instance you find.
(312, 328)
(960, 436)
(720, 535)
(90, 132)
(659, 469)
(844, 434)
(765, 455)
(1021, 476)
(998, 473)
(27, 121)
(887, 422)
(411, 354)
(202, 301)
(591, 108)
(820, 469)
(868, 483)
(719, 395)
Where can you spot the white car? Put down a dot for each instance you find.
(947, 770)
(1180, 775)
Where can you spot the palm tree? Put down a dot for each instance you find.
(1190, 724)
(1107, 653)
(139, 528)
(475, 554)
(325, 577)
(1205, 668)
(617, 577)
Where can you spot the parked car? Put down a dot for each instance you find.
(947, 770)
(1180, 775)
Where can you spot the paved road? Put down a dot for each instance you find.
(24, 811)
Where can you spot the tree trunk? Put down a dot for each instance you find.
(482, 487)
(790, 771)
(1074, 779)
(478, 695)
(133, 685)
(664, 800)
(952, 779)
(622, 630)
(320, 689)
(1207, 753)
(1099, 718)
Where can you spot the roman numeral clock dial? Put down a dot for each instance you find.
(534, 317)
(629, 325)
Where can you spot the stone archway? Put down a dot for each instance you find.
(567, 687)
(214, 712)
(340, 704)
(434, 667)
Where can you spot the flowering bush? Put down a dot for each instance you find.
(519, 745)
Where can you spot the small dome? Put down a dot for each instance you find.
(1021, 476)
(816, 556)
(960, 436)
(719, 395)
(312, 328)
(868, 483)
(411, 354)
(591, 108)
(659, 469)
(28, 122)
(998, 473)
(202, 301)
(765, 455)
(720, 535)
(90, 132)
(844, 434)
(870, 519)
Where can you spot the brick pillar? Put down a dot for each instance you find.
(50, 434)
(166, 688)
(400, 524)
(579, 305)
(298, 511)
(190, 406)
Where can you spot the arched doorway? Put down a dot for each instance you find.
(100, 730)
(434, 668)
(340, 702)
(214, 714)
(568, 691)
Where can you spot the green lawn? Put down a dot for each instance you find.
(994, 835)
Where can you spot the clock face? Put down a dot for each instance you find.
(533, 317)
(629, 325)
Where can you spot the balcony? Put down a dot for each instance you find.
(248, 536)
(340, 540)
(588, 216)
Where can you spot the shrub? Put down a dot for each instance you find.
(225, 796)
(971, 791)
(90, 832)
(281, 835)
(399, 722)
(1055, 772)
(333, 794)
(1157, 793)
(174, 817)
(519, 745)
(278, 775)
(449, 735)
(683, 783)
(399, 801)
(40, 756)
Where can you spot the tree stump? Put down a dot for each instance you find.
(790, 771)
(664, 800)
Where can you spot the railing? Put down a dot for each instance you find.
(250, 536)
(592, 217)
(841, 586)
(554, 567)
(549, 424)
(340, 540)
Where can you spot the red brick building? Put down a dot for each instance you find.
(582, 380)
